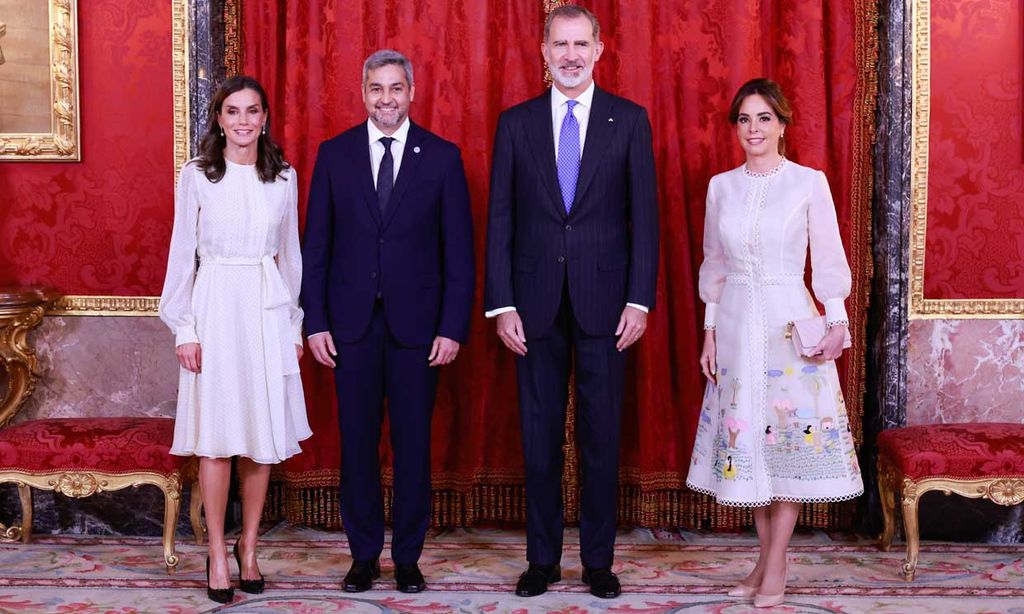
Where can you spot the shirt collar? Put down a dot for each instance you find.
(585, 99)
(401, 135)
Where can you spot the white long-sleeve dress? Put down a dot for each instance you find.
(775, 427)
(239, 301)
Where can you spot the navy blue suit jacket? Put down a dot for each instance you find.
(606, 247)
(419, 256)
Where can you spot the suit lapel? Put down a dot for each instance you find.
(599, 129)
(411, 156)
(543, 140)
(362, 159)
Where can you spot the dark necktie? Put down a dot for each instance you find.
(385, 175)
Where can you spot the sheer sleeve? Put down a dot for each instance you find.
(711, 279)
(289, 254)
(830, 272)
(176, 298)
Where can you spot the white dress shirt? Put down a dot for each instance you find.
(401, 137)
(559, 107)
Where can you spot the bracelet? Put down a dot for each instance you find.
(845, 323)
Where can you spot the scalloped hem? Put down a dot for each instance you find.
(786, 498)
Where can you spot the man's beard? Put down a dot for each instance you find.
(383, 117)
(571, 82)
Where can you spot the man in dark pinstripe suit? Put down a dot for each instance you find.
(572, 264)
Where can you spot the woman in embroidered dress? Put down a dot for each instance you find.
(231, 298)
(773, 431)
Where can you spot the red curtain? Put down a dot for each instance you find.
(683, 61)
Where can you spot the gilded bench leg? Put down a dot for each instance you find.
(172, 508)
(195, 513)
(910, 528)
(887, 485)
(25, 495)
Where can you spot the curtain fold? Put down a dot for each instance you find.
(683, 61)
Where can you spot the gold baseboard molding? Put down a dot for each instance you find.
(105, 306)
(963, 309)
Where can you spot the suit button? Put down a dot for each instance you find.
(568, 226)
(561, 258)
(381, 241)
(373, 275)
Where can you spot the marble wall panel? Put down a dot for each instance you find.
(965, 371)
(103, 366)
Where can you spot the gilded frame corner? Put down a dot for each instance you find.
(63, 142)
(921, 308)
(74, 305)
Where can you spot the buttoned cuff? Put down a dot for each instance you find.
(710, 314)
(497, 312)
(185, 334)
(835, 312)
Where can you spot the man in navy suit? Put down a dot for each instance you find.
(387, 290)
(572, 262)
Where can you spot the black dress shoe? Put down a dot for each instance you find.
(602, 582)
(534, 581)
(409, 578)
(361, 575)
(220, 595)
(254, 587)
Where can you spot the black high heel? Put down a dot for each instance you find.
(220, 595)
(254, 587)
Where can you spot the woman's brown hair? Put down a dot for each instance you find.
(269, 157)
(772, 94)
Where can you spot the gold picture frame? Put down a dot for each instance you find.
(73, 305)
(39, 113)
(921, 308)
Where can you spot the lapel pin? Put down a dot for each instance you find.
(416, 149)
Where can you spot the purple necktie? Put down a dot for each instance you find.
(569, 156)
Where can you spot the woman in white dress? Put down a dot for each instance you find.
(231, 298)
(773, 430)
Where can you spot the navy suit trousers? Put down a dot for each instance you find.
(369, 370)
(543, 376)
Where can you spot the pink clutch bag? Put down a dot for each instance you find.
(806, 334)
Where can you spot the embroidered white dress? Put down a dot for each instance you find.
(775, 426)
(240, 303)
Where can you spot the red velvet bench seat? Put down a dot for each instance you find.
(975, 460)
(78, 457)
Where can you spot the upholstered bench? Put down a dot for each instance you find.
(81, 456)
(976, 460)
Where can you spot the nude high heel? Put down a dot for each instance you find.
(742, 591)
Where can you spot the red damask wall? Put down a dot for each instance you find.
(101, 226)
(975, 237)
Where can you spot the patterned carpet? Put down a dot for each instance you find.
(475, 571)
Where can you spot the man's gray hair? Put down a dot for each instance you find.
(571, 11)
(385, 57)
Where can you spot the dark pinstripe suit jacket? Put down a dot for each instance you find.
(607, 246)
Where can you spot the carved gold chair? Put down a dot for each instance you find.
(78, 457)
(974, 460)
